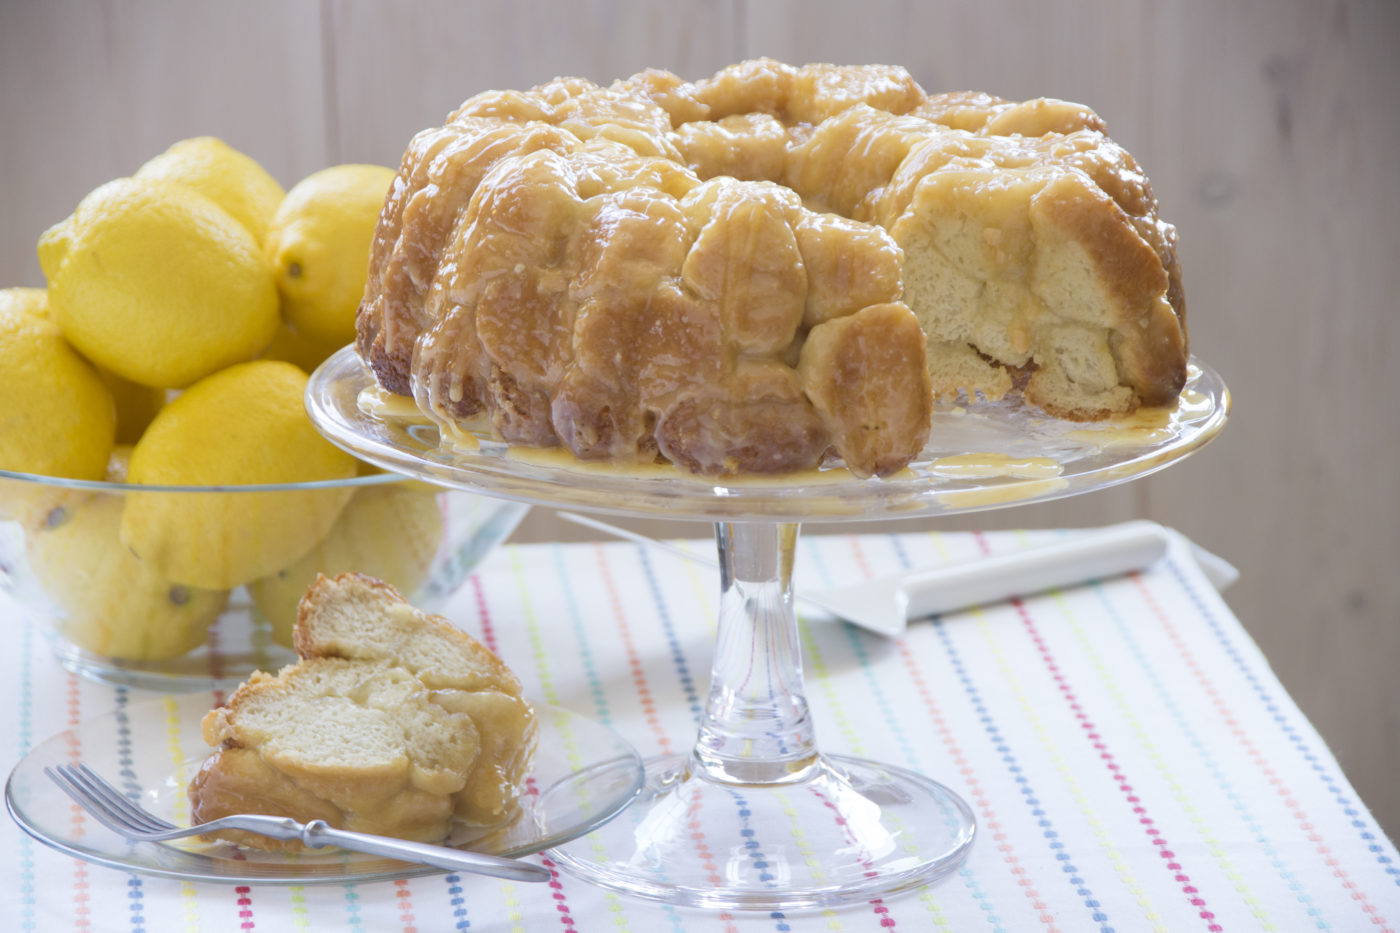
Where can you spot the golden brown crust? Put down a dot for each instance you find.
(237, 780)
(610, 267)
(853, 369)
(1076, 226)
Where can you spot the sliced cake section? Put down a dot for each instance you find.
(394, 722)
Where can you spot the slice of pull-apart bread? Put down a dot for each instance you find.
(394, 722)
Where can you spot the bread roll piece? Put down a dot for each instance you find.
(394, 722)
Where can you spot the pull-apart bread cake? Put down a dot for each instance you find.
(747, 273)
(394, 722)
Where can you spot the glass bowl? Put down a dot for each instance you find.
(192, 587)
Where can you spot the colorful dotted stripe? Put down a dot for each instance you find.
(1164, 770)
(551, 694)
(987, 821)
(296, 898)
(1269, 772)
(1164, 850)
(645, 698)
(189, 902)
(82, 897)
(1031, 797)
(986, 816)
(882, 913)
(403, 900)
(457, 902)
(753, 849)
(602, 709)
(668, 626)
(514, 914)
(702, 594)
(1364, 830)
(352, 908)
(245, 907)
(645, 695)
(546, 678)
(24, 710)
(856, 642)
(131, 787)
(1013, 767)
(1206, 759)
(1069, 778)
(849, 734)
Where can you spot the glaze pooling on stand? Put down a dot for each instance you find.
(1033, 457)
(986, 465)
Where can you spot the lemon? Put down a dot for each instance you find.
(33, 301)
(319, 248)
(108, 601)
(245, 425)
(56, 416)
(136, 404)
(232, 180)
(157, 283)
(390, 532)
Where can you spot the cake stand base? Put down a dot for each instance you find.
(843, 830)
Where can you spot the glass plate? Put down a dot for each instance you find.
(980, 456)
(583, 774)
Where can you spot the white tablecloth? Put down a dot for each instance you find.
(1132, 761)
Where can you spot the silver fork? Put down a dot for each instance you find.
(112, 809)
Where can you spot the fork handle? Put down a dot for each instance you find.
(319, 833)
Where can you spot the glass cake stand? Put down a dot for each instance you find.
(756, 816)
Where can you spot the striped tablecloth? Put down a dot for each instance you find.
(1132, 761)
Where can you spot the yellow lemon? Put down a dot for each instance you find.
(33, 301)
(109, 602)
(158, 284)
(245, 425)
(136, 404)
(232, 180)
(319, 248)
(56, 416)
(390, 532)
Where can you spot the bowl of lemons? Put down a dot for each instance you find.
(164, 499)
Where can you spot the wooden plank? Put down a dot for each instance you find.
(399, 68)
(95, 89)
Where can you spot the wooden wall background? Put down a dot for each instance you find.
(1270, 129)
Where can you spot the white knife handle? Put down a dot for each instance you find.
(1093, 555)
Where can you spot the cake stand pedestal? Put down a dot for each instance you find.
(756, 816)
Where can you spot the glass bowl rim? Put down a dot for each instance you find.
(106, 486)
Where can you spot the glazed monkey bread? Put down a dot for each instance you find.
(393, 722)
(751, 272)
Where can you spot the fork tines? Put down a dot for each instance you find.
(107, 805)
